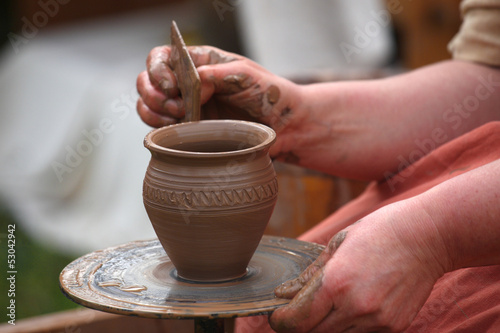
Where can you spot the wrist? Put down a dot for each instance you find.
(465, 213)
(289, 120)
(286, 98)
(418, 232)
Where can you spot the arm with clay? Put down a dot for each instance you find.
(353, 129)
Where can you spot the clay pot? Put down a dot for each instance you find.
(209, 191)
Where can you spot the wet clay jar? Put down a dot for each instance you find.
(209, 191)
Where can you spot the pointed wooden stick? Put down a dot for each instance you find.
(187, 76)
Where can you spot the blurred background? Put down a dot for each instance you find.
(71, 154)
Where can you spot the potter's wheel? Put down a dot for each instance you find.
(139, 279)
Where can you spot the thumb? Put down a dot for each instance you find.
(306, 310)
(220, 72)
(290, 288)
(224, 79)
(209, 55)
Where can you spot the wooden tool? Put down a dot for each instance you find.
(187, 76)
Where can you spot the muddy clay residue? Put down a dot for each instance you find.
(138, 279)
(235, 83)
(299, 308)
(273, 94)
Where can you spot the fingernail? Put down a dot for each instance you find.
(166, 84)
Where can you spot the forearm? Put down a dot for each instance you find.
(362, 129)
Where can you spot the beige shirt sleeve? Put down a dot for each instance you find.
(479, 37)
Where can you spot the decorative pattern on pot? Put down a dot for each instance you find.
(208, 198)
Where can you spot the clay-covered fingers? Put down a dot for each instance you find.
(160, 72)
(307, 309)
(159, 67)
(153, 118)
(209, 55)
(232, 86)
(290, 288)
(156, 100)
(159, 103)
(220, 72)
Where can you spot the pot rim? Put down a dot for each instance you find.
(266, 143)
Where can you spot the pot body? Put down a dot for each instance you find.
(209, 191)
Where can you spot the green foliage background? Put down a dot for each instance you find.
(37, 279)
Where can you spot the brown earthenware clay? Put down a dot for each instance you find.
(209, 191)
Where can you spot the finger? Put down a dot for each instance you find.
(208, 55)
(306, 310)
(290, 288)
(225, 79)
(157, 101)
(152, 118)
(159, 72)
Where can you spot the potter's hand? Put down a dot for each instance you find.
(232, 87)
(374, 276)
